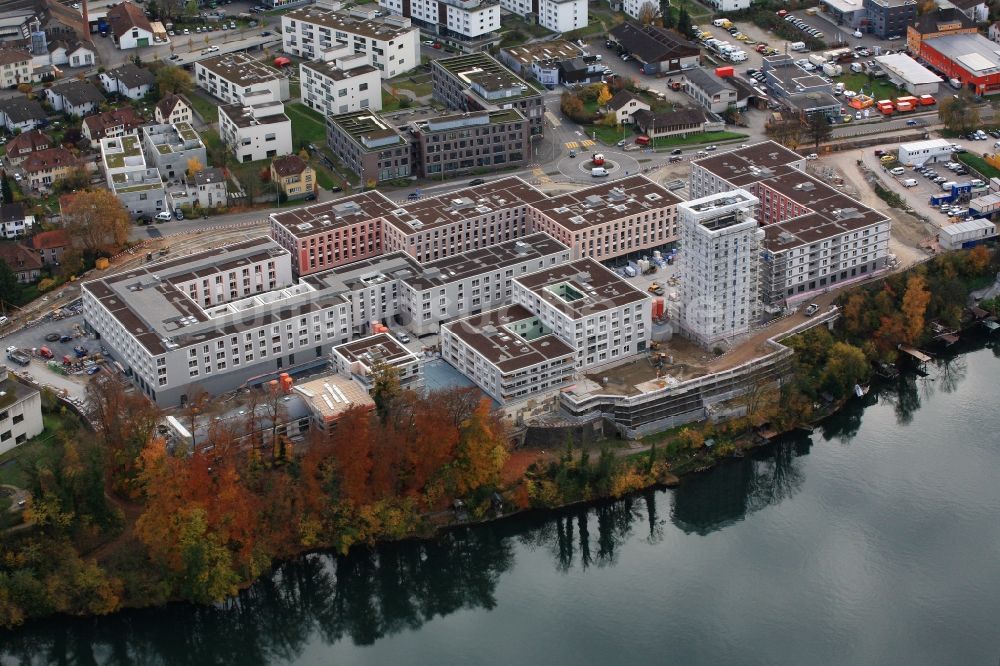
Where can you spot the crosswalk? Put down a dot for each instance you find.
(585, 143)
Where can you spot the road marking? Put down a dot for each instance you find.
(553, 118)
(572, 145)
(587, 143)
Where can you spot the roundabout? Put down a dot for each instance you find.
(615, 164)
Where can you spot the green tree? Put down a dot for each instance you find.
(385, 388)
(10, 288)
(666, 14)
(684, 22)
(818, 129)
(846, 366)
(958, 113)
(173, 80)
(6, 191)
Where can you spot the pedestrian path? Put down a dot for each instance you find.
(585, 143)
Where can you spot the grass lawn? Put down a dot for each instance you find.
(389, 102)
(307, 125)
(13, 463)
(878, 88)
(609, 135)
(420, 84)
(323, 177)
(205, 107)
(979, 164)
(517, 24)
(695, 139)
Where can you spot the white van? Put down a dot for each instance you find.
(947, 185)
(898, 171)
(856, 67)
(164, 216)
(910, 182)
(975, 182)
(797, 46)
(597, 172)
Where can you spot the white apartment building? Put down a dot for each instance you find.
(719, 266)
(15, 67)
(463, 19)
(357, 359)
(257, 132)
(474, 281)
(214, 319)
(20, 412)
(236, 78)
(391, 44)
(554, 15)
(610, 220)
(508, 353)
(816, 235)
(603, 317)
(344, 85)
(634, 7)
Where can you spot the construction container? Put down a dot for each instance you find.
(725, 72)
(904, 107)
(102, 264)
(658, 307)
(927, 100)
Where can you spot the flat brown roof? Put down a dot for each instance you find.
(379, 347)
(606, 202)
(488, 334)
(318, 218)
(592, 288)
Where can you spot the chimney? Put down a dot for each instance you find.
(86, 20)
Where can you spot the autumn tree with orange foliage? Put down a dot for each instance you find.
(914, 307)
(125, 421)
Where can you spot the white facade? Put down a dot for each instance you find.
(113, 84)
(236, 78)
(257, 132)
(21, 419)
(964, 234)
(390, 44)
(562, 16)
(337, 87)
(17, 225)
(179, 112)
(923, 152)
(134, 38)
(634, 7)
(469, 18)
(728, 5)
(719, 266)
(15, 70)
(80, 56)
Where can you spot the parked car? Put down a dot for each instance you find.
(811, 309)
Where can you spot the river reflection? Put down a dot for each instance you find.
(374, 594)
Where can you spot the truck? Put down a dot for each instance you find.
(955, 83)
(832, 69)
(909, 98)
(817, 59)
(797, 46)
(838, 55)
(18, 356)
(885, 106)
(904, 107)
(738, 56)
(927, 100)
(45, 352)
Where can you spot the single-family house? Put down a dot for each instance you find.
(210, 187)
(710, 91)
(111, 124)
(995, 31)
(79, 54)
(130, 29)
(19, 114)
(26, 143)
(173, 109)
(15, 220)
(294, 177)
(683, 121)
(129, 81)
(44, 167)
(50, 245)
(26, 265)
(624, 104)
(76, 98)
(977, 10)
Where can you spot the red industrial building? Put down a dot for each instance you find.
(970, 58)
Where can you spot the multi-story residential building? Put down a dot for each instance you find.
(256, 132)
(471, 25)
(341, 86)
(15, 221)
(141, 191)
(602, 316)
(719, 266)
(369, 146)
(391, 44)
(26, 143)
(359, 358)
(294, 177)
(76, 98)
(44, 167)
(729, 5)
(121, 154)
(477, 82)
(170, 148)
(210, 188)
(173, 109)
(816, 236)
(473, 281)
(15, 67)
(333, 233)
(129, 81)
(20, 412)
(18, 114)
(25, 264)
(609, 220)
(454, 145)
(474, 217)
(889, 18)
(508, 353)
(110, 124)
(554, 15)
(236, 78)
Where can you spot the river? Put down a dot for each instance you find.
(875, 540)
